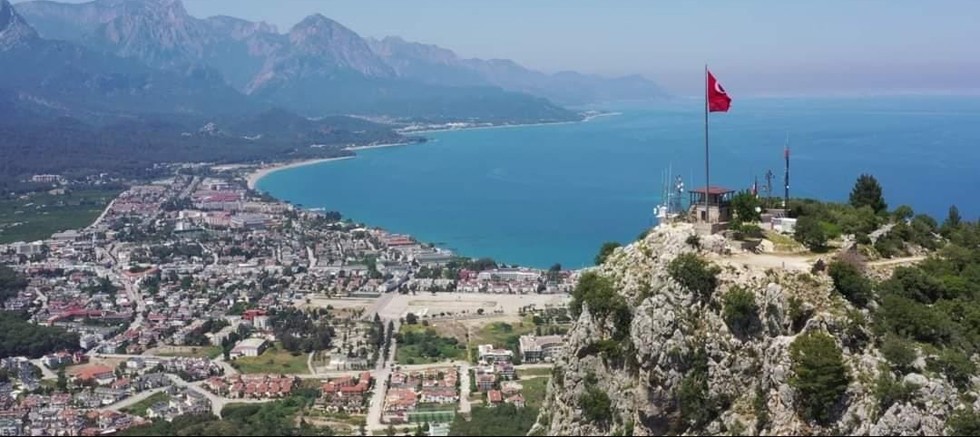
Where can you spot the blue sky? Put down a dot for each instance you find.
(754, 47)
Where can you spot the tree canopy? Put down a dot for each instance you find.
(867, 192)
(810, 233)
(20, 337)
(606, 250)
(819, 375)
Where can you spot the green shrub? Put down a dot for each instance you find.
(695, 274)
(696, 406)
(955, 365)
(914, 320)
(761, 410)
(899, 352)
(606, 250)
(597, 293)
(596, 405)
(964, 422)
(889, 245)
(850, 282)
(888, 390)
(740, 310)
(643, 235)
(693, 400)
(819, 376)
(809, 233)
(610, 349)
(694, 241)
(798, 315)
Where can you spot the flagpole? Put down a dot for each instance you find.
(707, 180)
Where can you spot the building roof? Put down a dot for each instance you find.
(251, 343)
(713, 189)
(91, 372)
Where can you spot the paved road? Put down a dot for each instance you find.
(102, 216)
(376, 308)
(229, 369)
(311, 255)
(464, 389)
(135, 399)
(217, 403)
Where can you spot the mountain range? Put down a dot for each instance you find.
(318, 67)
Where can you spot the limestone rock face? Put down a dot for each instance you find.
(748, 374)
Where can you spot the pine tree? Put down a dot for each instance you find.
(867, 192)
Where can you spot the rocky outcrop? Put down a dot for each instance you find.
(748, 373)
(13, 30)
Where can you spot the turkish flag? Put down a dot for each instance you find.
(718, 100)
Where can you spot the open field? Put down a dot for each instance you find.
(92, 362)
(273, 360)
(186, 351)
(337, 304)
(502, 334)
(534, 390)
(426, 346)
(41, 215)
(453, 304)
(530, 373)
(395, 306)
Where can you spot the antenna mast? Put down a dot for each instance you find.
(786, 177)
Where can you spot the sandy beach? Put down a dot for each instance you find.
(505, 126)
(254, 176)
(378, 146)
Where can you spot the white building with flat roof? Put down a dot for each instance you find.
(249, 347)
(534, 348)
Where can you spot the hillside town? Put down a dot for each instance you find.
(185, 293)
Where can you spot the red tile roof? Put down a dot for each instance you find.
(494, 396)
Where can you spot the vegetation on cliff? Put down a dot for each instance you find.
(680, 338)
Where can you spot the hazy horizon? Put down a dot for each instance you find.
(756, 48)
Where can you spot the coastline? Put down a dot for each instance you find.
(378, 146)
(504, 126)
(253, 178)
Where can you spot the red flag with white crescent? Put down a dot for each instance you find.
(718, 100)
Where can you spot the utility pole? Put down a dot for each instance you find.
(769, 177)
(786, 178)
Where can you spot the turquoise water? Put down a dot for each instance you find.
(538, 195)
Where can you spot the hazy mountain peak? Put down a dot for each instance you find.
(238, 27)
(321, 40)
(14, 30)
(318, 26)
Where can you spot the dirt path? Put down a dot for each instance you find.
(897, 261)
(771, 261)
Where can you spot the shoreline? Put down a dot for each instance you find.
(504, 126)
(253, 178)
(378, 146)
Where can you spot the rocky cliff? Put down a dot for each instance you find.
(652, 380)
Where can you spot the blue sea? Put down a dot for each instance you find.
(539, 195)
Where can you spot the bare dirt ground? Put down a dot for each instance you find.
(774, 261)
(396, 306)
(455, 303)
